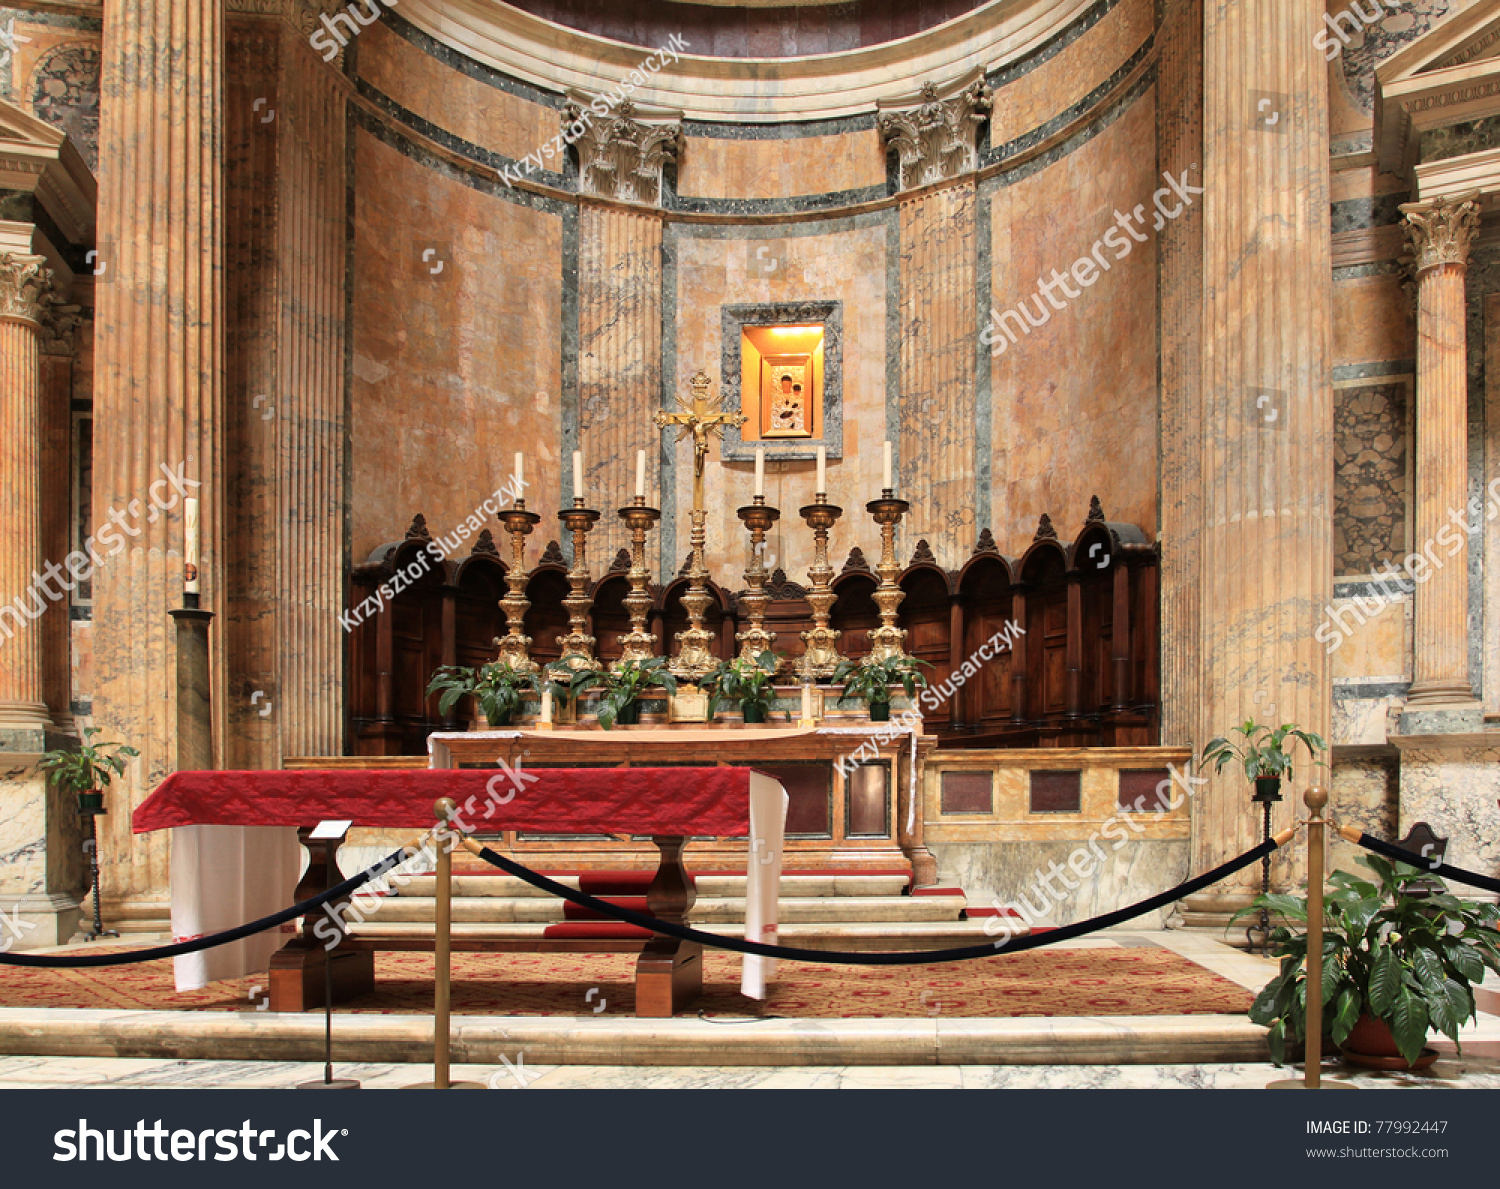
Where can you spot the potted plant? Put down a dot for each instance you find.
(1396, 965)
(498, 688)
(567, 684)
(872, 681)
(87, 770)
(1266, 754)
(751, 683)
(622, 686)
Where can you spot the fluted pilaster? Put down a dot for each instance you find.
(1266, 519)
(56, 343)
(24, 284)
(619, 366)
(158, 389)
(938, 318)
(1440, 233)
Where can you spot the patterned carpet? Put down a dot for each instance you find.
(1138, 980)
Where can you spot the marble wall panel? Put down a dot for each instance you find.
(23, 830)
(1373, 318)
(1016, 873)
(1371, 485)
(1380, 646)
(782, 167)
(1363, 793)
(1455, 788)
(1490, 451)
(454, 371)
(1075, 400)
(1071, 74)
(843, 261)
(492, 118)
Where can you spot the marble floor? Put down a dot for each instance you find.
(115, 1073)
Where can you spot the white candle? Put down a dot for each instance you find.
(760, 470)
(640, 473)
(546, 704)
(520, 470)
(887, 484)
(190, 546)
(822, 469)
(807, 703)
(578, 474)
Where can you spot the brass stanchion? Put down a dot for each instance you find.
(443, 809)
(1312, 1050)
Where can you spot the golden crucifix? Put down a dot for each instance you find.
(701, 419)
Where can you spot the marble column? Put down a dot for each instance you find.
(60, 322)
(25, 282)
(1440, 233)
(158, 396)
(1264, 408)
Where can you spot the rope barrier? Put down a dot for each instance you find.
(1412, 859)
(888, 958)
(238, 933)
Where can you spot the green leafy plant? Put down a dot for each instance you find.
(498, 687)
(751, 683)
(1266, 750)
(623, 685)
(1407, 960)
(872, 680)
(567, 684)
(89, 768)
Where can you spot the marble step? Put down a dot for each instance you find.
(829, 883)
(851, 935)
(708, 909)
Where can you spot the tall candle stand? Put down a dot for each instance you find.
(820, 656)
(887, 640)
(638, 644)
(756, 639)
(515, 645)
(578, 645)
(694, 657)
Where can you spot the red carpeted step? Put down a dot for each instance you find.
(595, 931)
(617, 883)
(937, 891)
(577, 912)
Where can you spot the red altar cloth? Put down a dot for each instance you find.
(684, 801)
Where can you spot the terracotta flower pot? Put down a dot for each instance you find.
(1371, 1044)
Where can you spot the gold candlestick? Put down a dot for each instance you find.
(887, 640)
(756, 639)
(638, 644)
(821, 655)
(515, 645)
(578, 645)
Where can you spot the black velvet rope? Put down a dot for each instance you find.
(890, 958)
(238, 933)
(1412, 859)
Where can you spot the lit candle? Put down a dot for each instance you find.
(887, 484)
(807, 703)
(578, 474)
(760, 470)
(190, 546)
(640, 473)
(546, 705)
(520, 470)
(822, 469)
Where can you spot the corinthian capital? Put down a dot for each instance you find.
(619, 156)
(1440, 231)
(937, 139)
(25, 283)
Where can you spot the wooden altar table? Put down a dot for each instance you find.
(667, 804)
